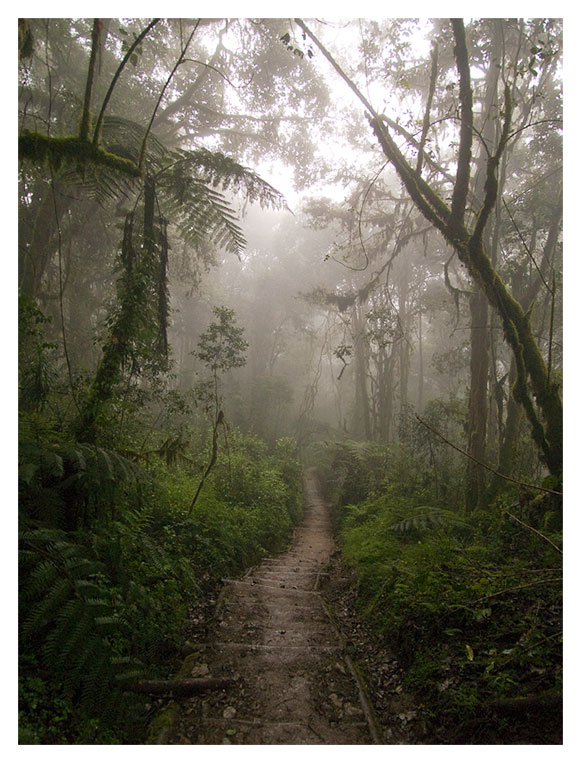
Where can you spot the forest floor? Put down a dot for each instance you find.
(277, 641)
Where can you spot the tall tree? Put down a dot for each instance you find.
(535, 389)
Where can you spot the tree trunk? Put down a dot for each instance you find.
(420, 365)
(478, 401)
(533, 380)
(362, 427)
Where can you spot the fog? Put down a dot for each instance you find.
(248, 247)
(347, 294)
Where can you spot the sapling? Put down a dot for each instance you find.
(221, 347)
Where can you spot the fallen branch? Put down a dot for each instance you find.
(179, 687)
(532, 529)
(538, 701)
(485, 466)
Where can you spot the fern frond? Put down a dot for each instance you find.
(428, 518)
(42, 613)
(124, 137)
(83, 475)
(192, 200)
(71, 628)
(215, 169)
(360, 451)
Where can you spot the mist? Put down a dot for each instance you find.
(250, 247)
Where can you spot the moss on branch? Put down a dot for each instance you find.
(39, 148)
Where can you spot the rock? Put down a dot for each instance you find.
(229, 713)
(336, 700)
(198, 671)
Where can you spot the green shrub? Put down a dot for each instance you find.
(471, 606)
(110, 559)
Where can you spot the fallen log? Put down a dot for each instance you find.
(545, 701)
(182, 687)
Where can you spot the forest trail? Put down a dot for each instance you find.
(292, 682)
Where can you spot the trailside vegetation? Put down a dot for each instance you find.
(187, 344)
(112, 559)
(470, 606)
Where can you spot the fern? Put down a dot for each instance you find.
(79, 481)
(70, 618)
(201, 212)
(429, 518)
(215, 169)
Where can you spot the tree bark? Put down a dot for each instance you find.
(362, 419)
(478, 401)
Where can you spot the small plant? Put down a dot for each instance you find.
(221, 347)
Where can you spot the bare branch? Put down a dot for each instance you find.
(136, 42)
(164, 88)
(532, 529)
(431, 91)
(485, 466)
(86, 116)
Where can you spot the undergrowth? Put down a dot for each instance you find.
(110, 559)
(470, 605)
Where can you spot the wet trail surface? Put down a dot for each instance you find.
(292, 682)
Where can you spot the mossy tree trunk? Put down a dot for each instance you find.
(134, 291)
(477, 429)
(478, 401)
(534, 389)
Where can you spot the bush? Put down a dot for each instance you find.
(471, 606)
(111, 557)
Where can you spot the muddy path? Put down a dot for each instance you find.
(292, 680)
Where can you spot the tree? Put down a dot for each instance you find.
(535, 389)
(221, 347)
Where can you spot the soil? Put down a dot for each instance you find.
(304, 669)
(293, 680)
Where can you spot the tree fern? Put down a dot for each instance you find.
(189, 188)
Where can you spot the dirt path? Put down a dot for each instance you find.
(292, 681)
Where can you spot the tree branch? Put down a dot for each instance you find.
(429, 203)
(462, 183)
(164, 88)
(97, 133)
(491, 182)
(431, 91)
(532, 529)
(485, 466)
(86, 116)
(183, 687)
(352, 86)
